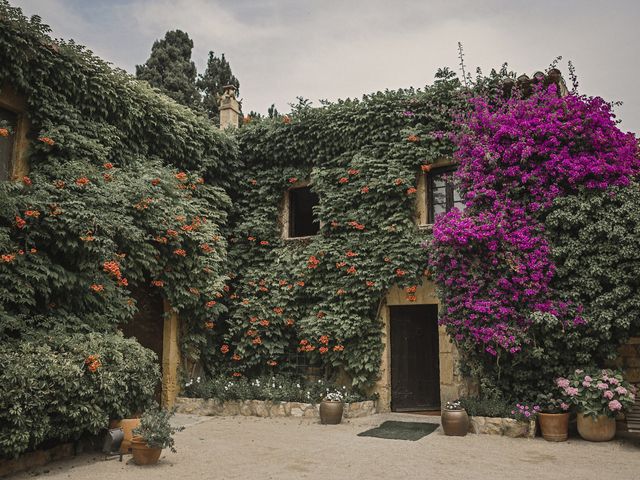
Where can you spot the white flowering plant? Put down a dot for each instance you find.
(454, 405)
(335, 396)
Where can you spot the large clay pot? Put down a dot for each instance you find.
(455, 422)
(596, 429)
(127, 425)
(331, 412)
(142, 453)
(554, 426)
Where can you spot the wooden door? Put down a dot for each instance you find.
(147, 325)
(415, 365)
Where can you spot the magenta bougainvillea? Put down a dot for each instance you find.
(493, 261)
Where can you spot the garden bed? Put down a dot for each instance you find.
(509, 427)
(266, 408)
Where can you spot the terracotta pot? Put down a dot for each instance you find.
(455, 422)
(554, 426)
(142, 453)
(127, 425)
(331, 412)
(596, 429)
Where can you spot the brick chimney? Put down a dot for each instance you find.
(229, 108)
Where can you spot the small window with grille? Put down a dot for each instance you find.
(442, 195)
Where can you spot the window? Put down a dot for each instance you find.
(302, 222)
(441, 193)
(7, 119)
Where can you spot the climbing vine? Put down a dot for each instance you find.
(126, 191)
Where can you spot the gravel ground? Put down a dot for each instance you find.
(287, 448)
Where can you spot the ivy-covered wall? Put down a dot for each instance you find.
(126, 189)
(320, 297)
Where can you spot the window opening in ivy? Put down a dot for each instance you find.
(302, 222)
(8, 122)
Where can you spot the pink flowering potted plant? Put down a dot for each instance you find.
(599, 396)
(554, 415)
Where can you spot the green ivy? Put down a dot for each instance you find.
(321, 296)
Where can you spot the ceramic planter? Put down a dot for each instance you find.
(554, 426)
(142, 453)
(331, 412)
(127, 425)
(600, 428)
(455, 422)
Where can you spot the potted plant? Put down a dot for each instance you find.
(526, 415)
(331, 408)
(554, 415)
(599, 396)
(454, 419)
(154, 433)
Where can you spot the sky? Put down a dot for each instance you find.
(329, 49)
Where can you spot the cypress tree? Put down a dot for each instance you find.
(216, 76)
(171, 69)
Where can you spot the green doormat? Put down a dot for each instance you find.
(401, 430)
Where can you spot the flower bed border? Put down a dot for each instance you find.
(509, 427)
(266, 408)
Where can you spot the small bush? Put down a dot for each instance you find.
(278, 388)
(64, 386)
(489, 406)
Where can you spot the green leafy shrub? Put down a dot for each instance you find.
(277, 388)
(487, 406)
(58, 387)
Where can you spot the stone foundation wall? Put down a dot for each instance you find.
(265, 408)
(509, 427)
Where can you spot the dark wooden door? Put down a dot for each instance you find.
(147, 325)
(415, 366)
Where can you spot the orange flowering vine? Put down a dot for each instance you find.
(343, 180)
(413, 138)
(8, 257)
(180, 252)
(20, 222)
(323, 350)
(157, 283)
(224, 349)
(425, 167)
(364, 189)
(411, 190)
(96, 287)
(313, 262)
(210, 303)
(293, 180)
(338, 348)
(4, 132)
(26, 180)
(47, 140)
(82, 181)
(272, 363)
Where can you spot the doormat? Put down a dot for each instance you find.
(401, 430)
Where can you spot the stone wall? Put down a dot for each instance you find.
(265, 408)
(509, 427)
(629, 360)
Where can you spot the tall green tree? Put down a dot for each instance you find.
(217, 75)
(171, 69)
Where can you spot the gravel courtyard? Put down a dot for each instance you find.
(287, 448)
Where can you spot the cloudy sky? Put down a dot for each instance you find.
(280, 49)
